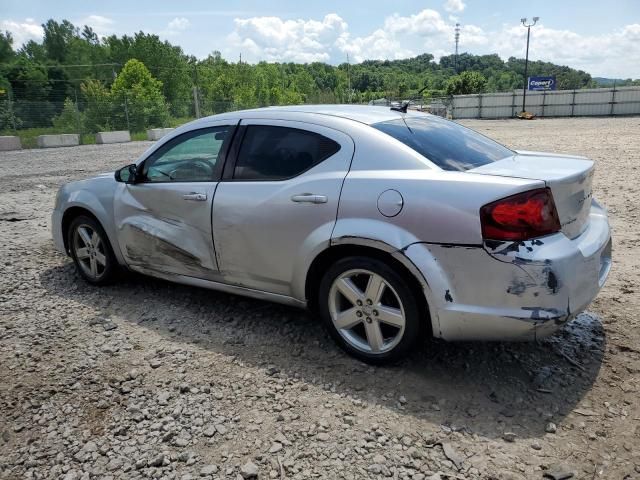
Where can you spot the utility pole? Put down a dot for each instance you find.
(526, 59)
(457, 36)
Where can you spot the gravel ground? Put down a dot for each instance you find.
(146, 379)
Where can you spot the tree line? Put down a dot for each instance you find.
(138, 81)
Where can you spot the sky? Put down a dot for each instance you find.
(602, 38)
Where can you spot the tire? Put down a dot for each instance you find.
(386, 323)
(93, 256)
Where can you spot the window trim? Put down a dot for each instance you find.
(220, 163)
(238, 141)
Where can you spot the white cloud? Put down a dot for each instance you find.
(425, 23)
(273, 39)
(103, 26)
(23, 31)
(612, 54)
(379, 45)
(454, 6)
(179, 24)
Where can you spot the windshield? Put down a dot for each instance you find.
(447, 144)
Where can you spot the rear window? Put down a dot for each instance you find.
(447, 144)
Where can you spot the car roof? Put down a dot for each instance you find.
(367, 114)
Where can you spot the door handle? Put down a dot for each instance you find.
(198, 197)
(309, 198)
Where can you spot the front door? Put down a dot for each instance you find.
(278, 200)
(164, 220)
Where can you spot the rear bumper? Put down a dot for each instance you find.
(514, 290)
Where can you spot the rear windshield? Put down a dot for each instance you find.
(447, 144)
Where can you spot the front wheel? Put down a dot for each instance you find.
(91, 251)
(369, 309)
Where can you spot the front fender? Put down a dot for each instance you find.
(101, 208)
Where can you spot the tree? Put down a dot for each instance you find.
(57, 37)
(136, 94)
(166, 62)
(466, 83)
(98, 108)
(6, 47)
(69, 120)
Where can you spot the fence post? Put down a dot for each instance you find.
(78, 123)
(479, 105)
(196, 101)
(544, 96)
(513, 103)
(613, 99)
(126, 111)
(13, 117)
(573, 101)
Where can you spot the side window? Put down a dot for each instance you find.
(192, 157)
(277, 153)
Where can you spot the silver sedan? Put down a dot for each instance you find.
(390, 225)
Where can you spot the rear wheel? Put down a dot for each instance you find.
(91, 251)
(369, 309)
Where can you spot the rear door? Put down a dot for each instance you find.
(278, 200)
(164, 221)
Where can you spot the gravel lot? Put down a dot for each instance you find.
(146, 379)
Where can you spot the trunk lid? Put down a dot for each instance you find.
(568, 177)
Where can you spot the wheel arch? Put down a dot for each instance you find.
(69, 215)
(342, 248)
(75, 210)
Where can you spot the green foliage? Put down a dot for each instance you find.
(465, 83)
(70, 119)
(98, 107)
(57, 38)
(166, 62)
(6, 47)
(141, 99)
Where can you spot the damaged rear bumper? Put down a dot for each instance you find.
(514, 290)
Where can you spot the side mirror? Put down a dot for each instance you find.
(127, 174)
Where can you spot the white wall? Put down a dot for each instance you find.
(559, 103)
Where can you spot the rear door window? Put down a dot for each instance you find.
(277, 153)
(447, 144)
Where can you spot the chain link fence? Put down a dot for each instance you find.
(85, 115)
(75, 113)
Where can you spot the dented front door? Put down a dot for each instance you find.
(167, 228)
(164, 221)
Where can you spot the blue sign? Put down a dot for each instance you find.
(542, 83)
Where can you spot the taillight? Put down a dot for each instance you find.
(520, 217)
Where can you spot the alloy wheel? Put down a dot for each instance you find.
(366, 311)
(90, 251)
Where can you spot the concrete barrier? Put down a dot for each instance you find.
(63, 140)
(120, 136)
(158, 133)
(10, 143)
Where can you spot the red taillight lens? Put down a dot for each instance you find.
(520, 217)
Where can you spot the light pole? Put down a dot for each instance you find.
(526, 58)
